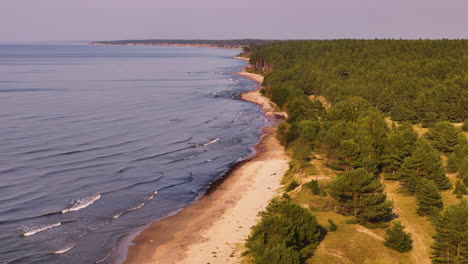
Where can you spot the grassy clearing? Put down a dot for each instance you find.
(322, 99)
(448, 197)
(420, 227)
(390, 122)
(420, 130)
(305, 198)
(460, 125)
(350, 243)
(357, 244)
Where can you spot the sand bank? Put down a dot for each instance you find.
(257, 98)
(213, 229)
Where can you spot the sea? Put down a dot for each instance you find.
(96, 142)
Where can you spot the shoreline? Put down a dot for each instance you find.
(230, 208)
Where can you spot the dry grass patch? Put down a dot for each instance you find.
(420, 227)
(322, 99)
(420, 130)
(350, 245)
(448, 197)
(356, 244)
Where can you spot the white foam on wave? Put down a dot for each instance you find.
(65, 249)
(34, 229)
(82, 203)
(211, 142)
(106, 257)
(138, 206)
(118, 215)
(99, 226)
(151, 196)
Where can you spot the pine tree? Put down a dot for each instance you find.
(386, 101)
(278, 254)
(348, 154)
(423, 163)
(458, 159)
(331, 135)
(391, 162)
(458, 162)
(402, 113)
(399, 145)
(332, 227)
(371, 135)
(451, 238)
(314, 186)
(396, 238)
(444, 136)
(309, 130)
(464, 127)
(460, 189)
(349, 109)
(360, 193)
(429, 199)
(285, 230)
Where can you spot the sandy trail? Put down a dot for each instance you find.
(421, 239)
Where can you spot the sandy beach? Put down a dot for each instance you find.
(213, 229)
(257, 98)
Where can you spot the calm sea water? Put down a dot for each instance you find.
(98, 141)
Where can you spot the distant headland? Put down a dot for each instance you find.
(230, 43)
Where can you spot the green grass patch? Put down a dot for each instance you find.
(347, 245)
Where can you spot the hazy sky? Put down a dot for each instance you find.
(26, 20)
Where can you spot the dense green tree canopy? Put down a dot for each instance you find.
(399, 145)
(444, 136)
(458, 160)
(451, 238)
(348, 154)
(460, 189)
(285, 232)
(367, 85)
(411, 80)
(424, 162)
(429, 199)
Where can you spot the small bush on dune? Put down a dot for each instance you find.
(313, 186)
(293, 185)
(332, 227)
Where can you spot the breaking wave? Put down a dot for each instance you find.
(208, 143)
(138, 206)
(106, 257)
(211, 142)
(82, 203)
(34, 229)
(65, 249)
